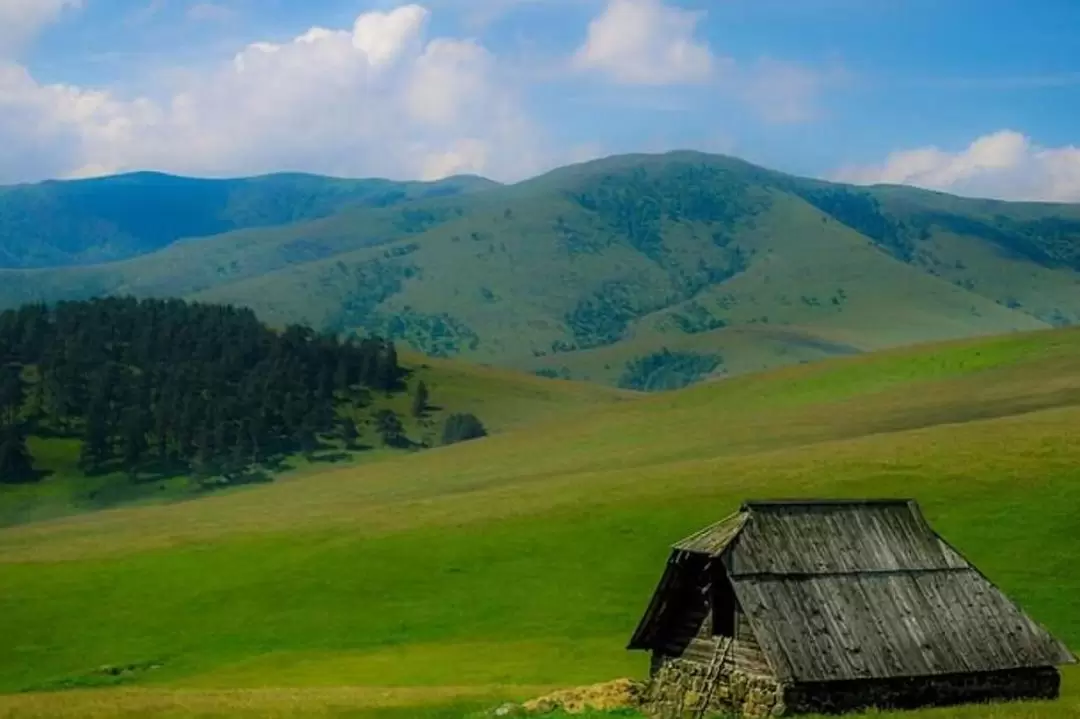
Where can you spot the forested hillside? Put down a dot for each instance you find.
(643, 271)
(164, 387)
(112, 218)
(104, 402)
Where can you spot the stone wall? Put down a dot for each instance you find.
(681, 689)
(913, 693)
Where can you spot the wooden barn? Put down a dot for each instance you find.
(790, 607)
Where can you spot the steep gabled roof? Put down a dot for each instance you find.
(858, 589)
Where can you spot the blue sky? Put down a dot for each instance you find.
(974, 97)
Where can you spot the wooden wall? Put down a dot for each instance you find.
(689, 632)
(747, 655)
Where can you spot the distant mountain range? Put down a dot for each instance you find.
(648, 271)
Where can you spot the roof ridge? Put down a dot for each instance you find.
(751, 504)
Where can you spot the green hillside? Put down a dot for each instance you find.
(646, 271)
(113, 401)
(83, 222)
(447, 581)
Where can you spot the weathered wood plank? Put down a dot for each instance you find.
(916, 624)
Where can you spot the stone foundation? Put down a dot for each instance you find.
(914, 693)
(681, 689)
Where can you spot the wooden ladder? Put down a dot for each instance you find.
(713, 674)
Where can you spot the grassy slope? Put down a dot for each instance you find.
(515, 275)
(502, 400)
(515, 287)
(499, 567)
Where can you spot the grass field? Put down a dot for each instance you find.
(444, 582)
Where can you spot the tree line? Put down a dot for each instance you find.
(171, 386)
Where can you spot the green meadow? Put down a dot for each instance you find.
(444, 582)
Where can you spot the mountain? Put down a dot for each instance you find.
(645, 271)
(81, 222)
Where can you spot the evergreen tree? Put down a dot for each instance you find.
(16, 464)
(307, 434)
(134, 439)
(348, 433)
(389, 371)
(462, 427)
(205, 462)
(240, 456)
(60, 388)
(342, 374)
(420, 400)
(12, 394)
(95, 449)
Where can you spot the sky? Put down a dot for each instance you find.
(973, 97)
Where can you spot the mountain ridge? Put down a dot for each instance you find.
(662, 264)
(89, 221)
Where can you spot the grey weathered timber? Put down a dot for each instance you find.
(841, 602)
(888, 625)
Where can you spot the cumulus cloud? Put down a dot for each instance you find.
(648, 43)
(1004, 165)
(645, 42)
(21, 20)
(375, 99)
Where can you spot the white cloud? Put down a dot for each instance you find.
(374, 99)
(21, 20)
(648, 43)
(1005, 165)
(645, 42)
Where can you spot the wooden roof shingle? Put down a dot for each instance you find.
(858, 589)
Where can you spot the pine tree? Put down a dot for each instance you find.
(95, 442)
(205, 462)
(420, 400)
(240, 455)
(134, 439)
(16, 465)
(389, 371)
(12, 394)
(342, 374)
(306, 436)
(348, 433)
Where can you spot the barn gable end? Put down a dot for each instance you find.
(859, 597)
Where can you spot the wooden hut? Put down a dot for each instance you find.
(828, 606)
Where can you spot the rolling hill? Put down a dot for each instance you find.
(445, 582)
(644, 271)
